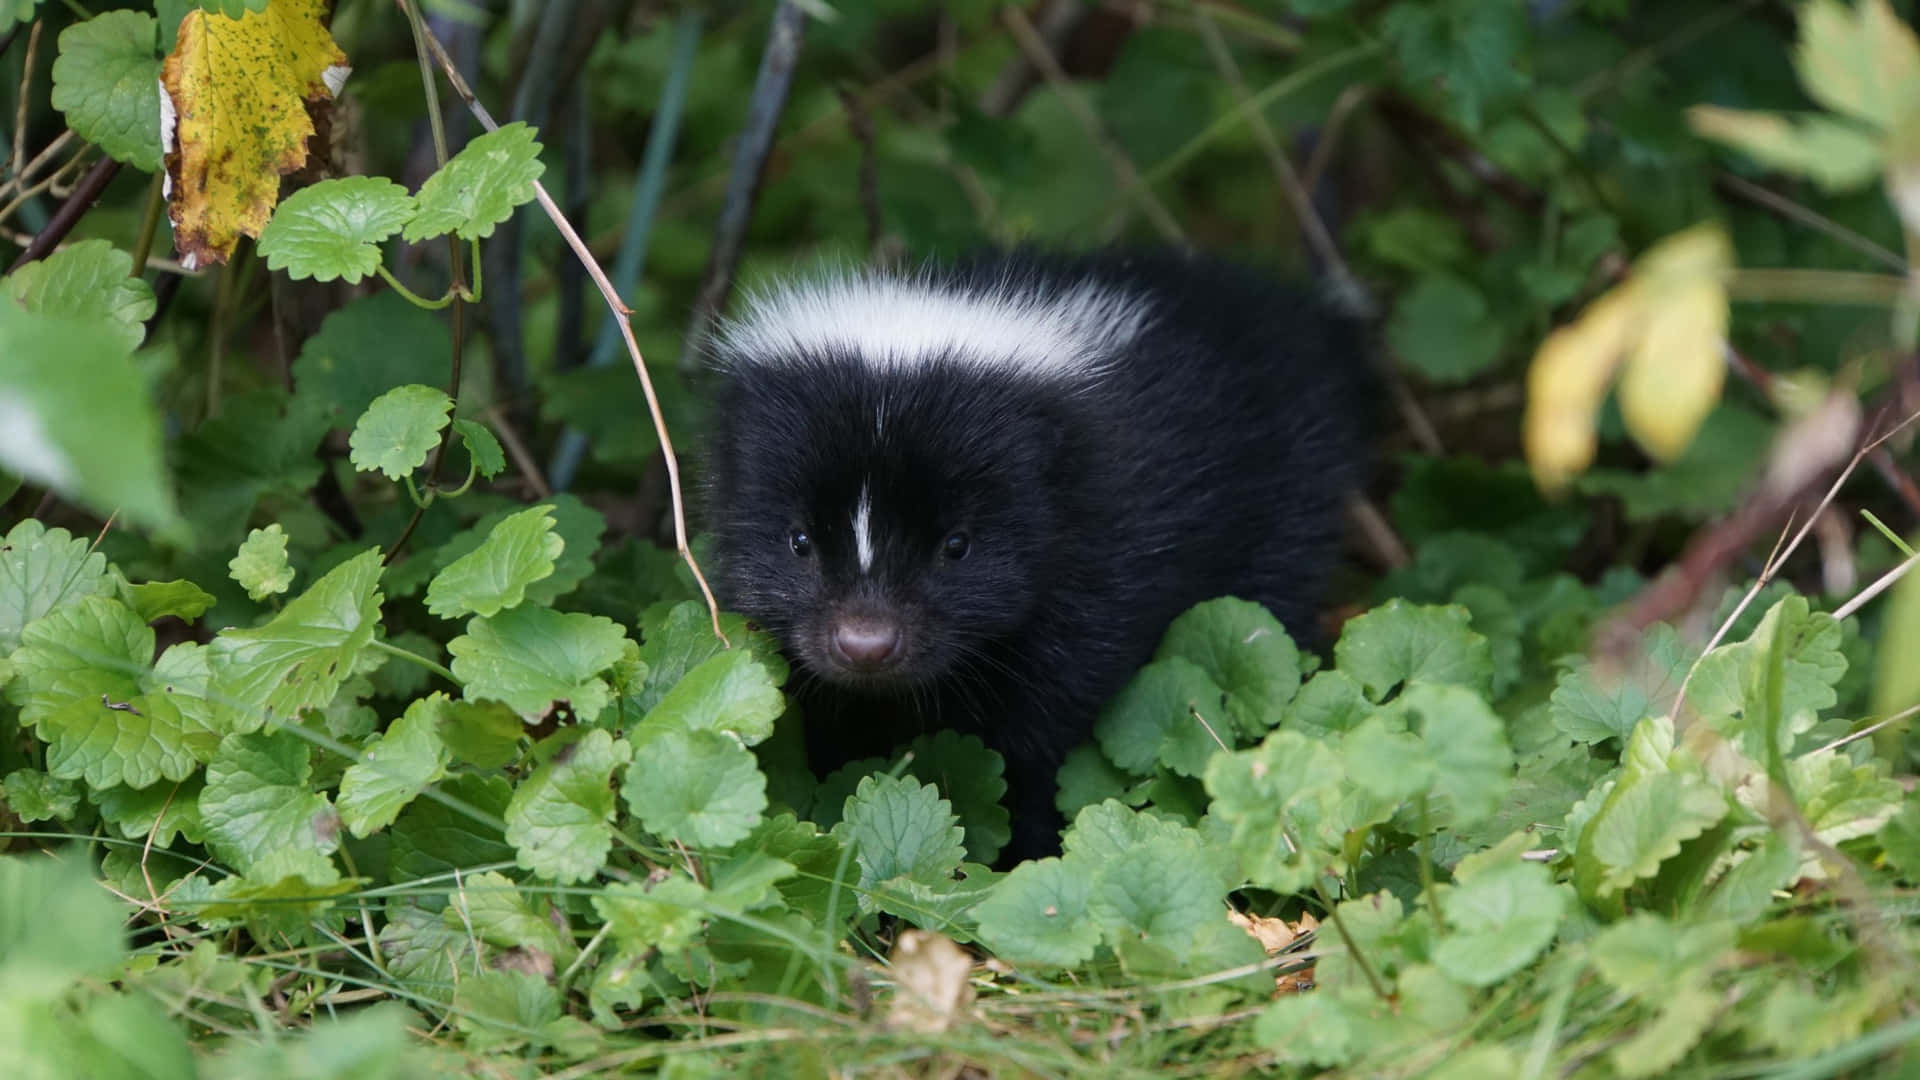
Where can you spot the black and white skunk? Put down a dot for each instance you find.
(974, 496)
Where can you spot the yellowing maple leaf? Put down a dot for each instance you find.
(242, 92)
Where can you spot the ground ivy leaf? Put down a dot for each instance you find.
(486, 734)
(971, 778)
(662, 915)
(531, 657)
(1038, 915)
(519, 551)
(1307, 1029)
(1589, 707)
(1729, 685)
(62, 381)
(1646, 955)
(1088, 778)
(493, 908)
(1686, 1013)
(57, 926)
(364, 349)
(1245, 651)
(85, 673)
(479, 187)
(576, 523)
(162, 811)
(1330, 703)
(34, 796)
(182, 599)
(1500, 913)
(301, 658)
(1397, 642)
(395, 768)
(333, 229)
(103, 81)
(1467, 745)
(899, 827)
(1842, 800)
(1644, 822)
(488, 458)
(683, 640)
(732, 692)
(399, 430)
(433, 840)
(260, 566)
(700, 788)
(43, 569)
(1170, 712)
(1161, 891)
(1280, 802)
(261, 813)
(1444, 329)
(91, 281)
(560, 821)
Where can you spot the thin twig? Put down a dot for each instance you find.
(517, 450)
(20, 107)
(1812, 219)
(70, 212)
(1035, 47)
(620, 318)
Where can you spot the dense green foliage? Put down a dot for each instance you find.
(335, 743)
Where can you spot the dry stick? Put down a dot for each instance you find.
(1801, 215)
(70, 212)
(1344, 107)
(20, 109)
(1037, 51)
(620, 315)
(1880, 458)
(517, 450)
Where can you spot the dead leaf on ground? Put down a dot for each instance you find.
(930, 982)
(1276, 936)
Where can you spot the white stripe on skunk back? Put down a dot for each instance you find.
(906, 323)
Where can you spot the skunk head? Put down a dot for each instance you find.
(886, 529)
(890, 468)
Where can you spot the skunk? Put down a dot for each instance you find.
(974, 496)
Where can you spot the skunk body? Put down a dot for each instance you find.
(974, 498)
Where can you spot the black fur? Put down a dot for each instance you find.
(1209, 457)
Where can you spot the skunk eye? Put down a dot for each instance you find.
(800, 542)
(956, 545)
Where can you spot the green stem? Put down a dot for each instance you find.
(1816, 287)
(473, 469)
(412, 297)
(419, 500)
(1340, 926)
(394, 650)
(473, 295)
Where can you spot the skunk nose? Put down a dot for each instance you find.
(866, 643)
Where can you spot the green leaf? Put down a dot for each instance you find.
(1307, 1029)
(1467, 745)
(1445, 330)
(1169, 713)
(519, 551)
(90, 281)
(732, 692)
(488, 458)
(664, 915)
(364, 349)
(399, 430)
(530, 658)
(1088, 778)
(162, 811)
(154, 600)
(683, 640)
(63, 381)
(560, 821)
(1863, 63)
(90, 694)
(479, 187)
(43, 570)
(1472, 53)
(1644, 822)
(497, 1010)
(432, 839)
(1161, 892)
(1899, 838)
(1687, 1012)
(1330, 703)
(1245, 651)
(105, 81)
(578, 524)
(57, 926)
(1646, 955)
(260, 566)
(34, 796)
(491, 907)
(301, 658)
(1841, 800)
(1038, 915)
(1730, 685)
(1280, 803)
(1398, 642)
(333, 228)
(261, 813)
(971, 778)
(899, 827)
(366, 1044)
(1500, 913)
(1590, 707)
(395, 768)
(486, 734)
(700, 788)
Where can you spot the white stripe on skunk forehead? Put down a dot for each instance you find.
(903, 324)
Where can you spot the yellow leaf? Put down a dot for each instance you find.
(1674, 377)
(1568, 381)
(242, 93)
(1864, 63)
